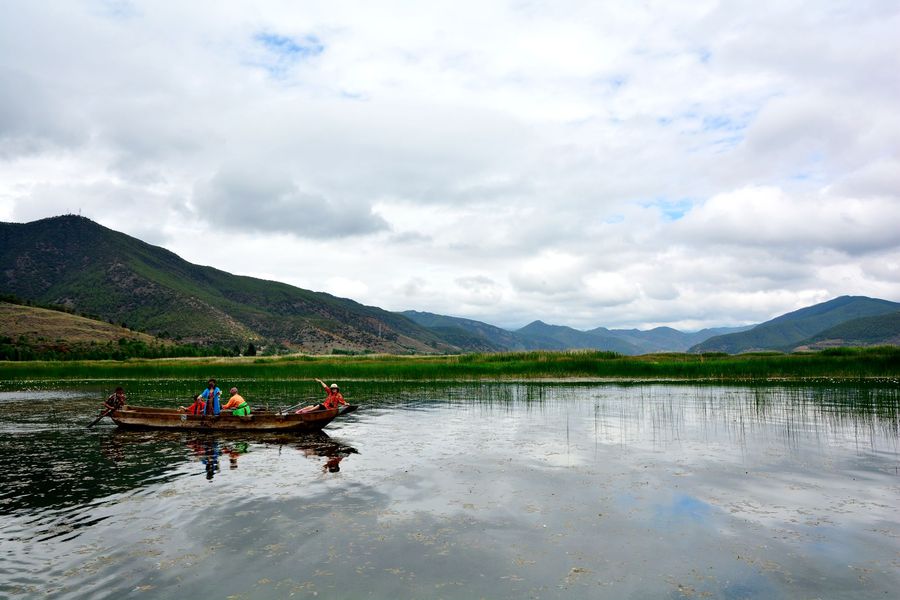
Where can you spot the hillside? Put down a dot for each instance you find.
(55, 327)
(33, 333)
(880, 330)
(468, 334)
(74, 262)
(788, 330)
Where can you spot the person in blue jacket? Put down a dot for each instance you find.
(211, 396)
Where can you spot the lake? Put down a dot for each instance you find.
(544, 490)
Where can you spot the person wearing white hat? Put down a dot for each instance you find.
(333, 400)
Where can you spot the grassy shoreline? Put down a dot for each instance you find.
(837, 364)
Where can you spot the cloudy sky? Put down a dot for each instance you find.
(586, 163)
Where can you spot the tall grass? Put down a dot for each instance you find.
(842, 364)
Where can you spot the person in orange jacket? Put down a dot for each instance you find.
(334, 399)
(236, 404)
(196, 408)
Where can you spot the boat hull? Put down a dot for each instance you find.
(143, 417)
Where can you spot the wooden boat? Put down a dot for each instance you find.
(146, 417)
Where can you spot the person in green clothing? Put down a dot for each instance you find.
(237, 405)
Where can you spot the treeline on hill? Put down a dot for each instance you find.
(24, 349)
(13, 299)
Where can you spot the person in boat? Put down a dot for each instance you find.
(334, 399)
(115, 401)
(211, 396)
(236, 404)
(196, 408)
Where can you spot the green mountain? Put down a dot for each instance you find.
(477, 336)
(665, 339)
(880, 330)
(789, 330)
(74, 262)
(558, 337)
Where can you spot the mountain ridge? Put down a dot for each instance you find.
(79, 264)
(74, 262)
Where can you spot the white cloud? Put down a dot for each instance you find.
(690, 164)
(346, 288)
(550, 273)
(610, 289)
(260, 199)
(769, 217)
(479, 290)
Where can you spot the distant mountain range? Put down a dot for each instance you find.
(73, 262)
(541, 336)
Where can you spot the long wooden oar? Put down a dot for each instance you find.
(97, 420)
(299, 404)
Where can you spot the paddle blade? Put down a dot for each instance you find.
(98, 419)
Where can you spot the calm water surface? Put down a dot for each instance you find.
(460, 491)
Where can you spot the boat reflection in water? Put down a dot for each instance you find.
(210, 450)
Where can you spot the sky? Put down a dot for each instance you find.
(619, 164)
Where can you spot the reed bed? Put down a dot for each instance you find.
(843, 363)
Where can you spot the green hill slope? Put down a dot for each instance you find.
(74, 262)
(467, 334)
(788, 330)
(33, 333)
(58, 327)
(880, 330)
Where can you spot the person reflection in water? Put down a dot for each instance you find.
(333, 464)
(211, 458)
(234, 452)
(334, 452)
(113, 447)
